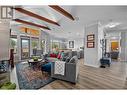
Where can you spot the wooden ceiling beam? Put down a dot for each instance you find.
(29, 13)
(30, 23)
(62, 11)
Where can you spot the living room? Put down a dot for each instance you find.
(58, 47)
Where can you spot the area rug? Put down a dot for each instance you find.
(31, 79)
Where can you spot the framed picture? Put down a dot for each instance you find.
(71, 44)
(90, 44)
(90, 37)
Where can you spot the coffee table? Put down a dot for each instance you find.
(33, 63)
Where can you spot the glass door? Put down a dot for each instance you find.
(14, 46)
(25, 48)
(35, 45)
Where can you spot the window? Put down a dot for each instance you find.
(55, 46)
(35, 43)
(43, 45)
(25, 48)
(13, 44)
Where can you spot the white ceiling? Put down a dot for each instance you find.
(84, 15)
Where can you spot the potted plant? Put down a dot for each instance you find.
(35, 58)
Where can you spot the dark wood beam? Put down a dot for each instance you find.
(29, 13)
(62, 11)
(30, 23)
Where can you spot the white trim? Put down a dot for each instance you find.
(96, 66)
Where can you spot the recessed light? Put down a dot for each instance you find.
(78, 34)
(112, 25)
(76, 18)
(114, 37)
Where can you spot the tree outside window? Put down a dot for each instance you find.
(13, 44)
(35, 43)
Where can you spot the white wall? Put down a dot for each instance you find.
(123, 46)
(77, 43)
(93, 55)
(100, 37)
(4, 39)
(112, 36)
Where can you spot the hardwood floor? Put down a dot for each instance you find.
(113, 77)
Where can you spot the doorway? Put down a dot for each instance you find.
(14, 46)
(25, 48)
(115, 50)
(114, 46)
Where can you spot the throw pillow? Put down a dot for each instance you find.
(68, 59)
(72, 60)
(59, 56)
(64, 58)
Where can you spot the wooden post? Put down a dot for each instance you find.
(12, 58)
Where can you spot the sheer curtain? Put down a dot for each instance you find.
(4, 40)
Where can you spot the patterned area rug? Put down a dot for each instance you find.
(31, 79)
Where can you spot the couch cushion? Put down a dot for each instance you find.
(74, 59)
(65, 56)
(53, 55)
(59, 56)
(67, 59)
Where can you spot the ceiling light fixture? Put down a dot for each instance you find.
(114, 37)
(77, 18)
(78, 34)
(112, 25)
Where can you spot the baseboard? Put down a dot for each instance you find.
(96, 66)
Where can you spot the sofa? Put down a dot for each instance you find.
(71, 70)
(50, 59)
(114, 55)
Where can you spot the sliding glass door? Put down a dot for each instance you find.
(13, 44)
(34, 45)
(25, 48)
